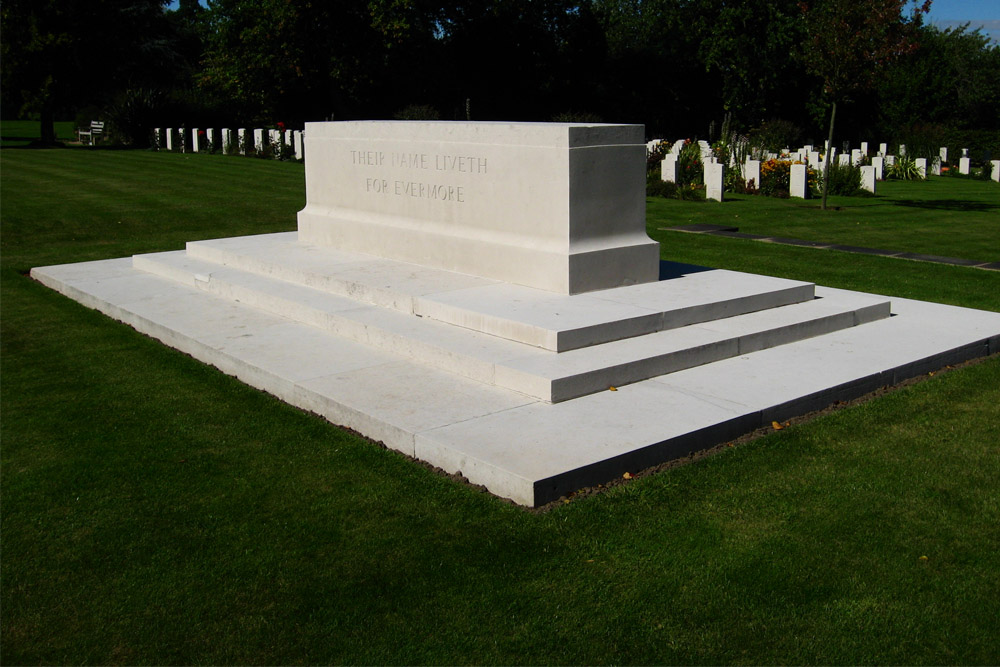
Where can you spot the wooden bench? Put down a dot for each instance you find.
(94, 133)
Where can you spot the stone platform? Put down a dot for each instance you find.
(511, 385)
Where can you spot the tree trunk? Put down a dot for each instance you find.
(48, 129)
(829, 156)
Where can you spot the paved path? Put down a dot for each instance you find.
(733, 232)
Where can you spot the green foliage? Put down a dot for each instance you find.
(775, 135)
(690, 170)
(417, 112)
(776, 176)
(577, 117)
(655, 155)
(904, 168)
(949, 82)
(843, 179)
(131, 116)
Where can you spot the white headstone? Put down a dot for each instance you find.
(157, 138)
(556, 206)
(227, 140)
(715, 178)
(814, 160)
(883, 149)
(751, 172)
(258, 140)
(668, 168)
(965, 152)
(195, 137)
(297, 144)
(936, 166)
(995, 173)
(890, 160)
(844, 159)
(964, 164)
(170, 138)
(678, 146)
(921, 163)
(868, 178)
(856, 156)
(241, 135)
(864, 148)
(878, 163)
(182, 139)
(943, 152)
(902, 149)
(798, 183)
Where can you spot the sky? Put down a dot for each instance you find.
(982, 14)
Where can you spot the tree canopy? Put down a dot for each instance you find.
(678, 66)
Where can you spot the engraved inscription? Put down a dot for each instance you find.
(465, 164)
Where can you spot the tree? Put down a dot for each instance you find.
(747, 42)
(59, 53)
(850, 42)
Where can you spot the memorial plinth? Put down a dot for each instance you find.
(559, 207)
(431, 300)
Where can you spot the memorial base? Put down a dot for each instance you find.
(528, 393)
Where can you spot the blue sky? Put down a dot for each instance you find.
(982, 14)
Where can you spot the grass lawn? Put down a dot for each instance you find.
(23, 132)
(946, 216)
(157, 511)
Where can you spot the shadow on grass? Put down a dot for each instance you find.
(948, 204)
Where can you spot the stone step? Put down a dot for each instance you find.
(687, 295)
(517, 447)
(539, 373)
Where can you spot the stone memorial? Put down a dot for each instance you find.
(297, 144)
(995, 170)
(798, 182)
(868, 178)
(553, 206)
(258, 140)
(715, 178)
(864, 148)
(964, 165)
(483, 297)
(170, 138)
(921, 163)
(751, 172)
(227, 141)
(195, 139)
(878, 162)
(883, 149)
(936, 166)
(943, 153)
(668, 167)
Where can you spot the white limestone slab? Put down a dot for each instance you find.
(539, 373)
(523, 314)
(519, 447)
(394, 402)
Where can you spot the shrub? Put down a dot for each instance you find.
(131, 115)
(655, 155)
(776, 177)
(776, 134)
(843, 179)
(904, 169)
(689, 168)
(417, 112)
(576, 117)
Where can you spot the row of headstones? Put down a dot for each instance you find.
(714, 172)
(232, 141)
